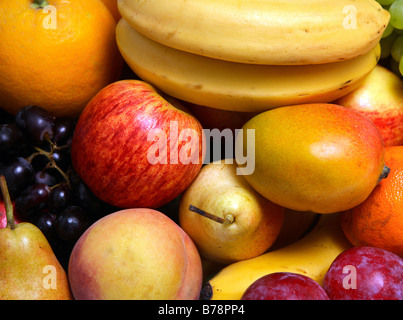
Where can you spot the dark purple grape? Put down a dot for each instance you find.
(46, 223)
(18, 173)
(59, 197)
(49, 177)
(71, 223)
(36, 122)
(83, 196)
(62, 157)
(63, 130)
(12, 139)
(32, 200)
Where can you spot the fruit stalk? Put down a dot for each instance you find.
(384, 174)
(310, 256)
(39, 4)
(7, 203)
(228, 219)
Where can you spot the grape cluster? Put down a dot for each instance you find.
(45, 189)
(392, 38)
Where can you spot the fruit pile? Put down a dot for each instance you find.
(157, 154)
(44, 187)
(209, 65)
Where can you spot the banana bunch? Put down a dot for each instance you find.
(252, 55)
(311, 256)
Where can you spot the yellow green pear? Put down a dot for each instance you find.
(29, 267)
(225, 217)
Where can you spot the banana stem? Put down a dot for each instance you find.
(7, 203)
(227, 220)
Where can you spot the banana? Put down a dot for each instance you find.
(274, 32)
(238, 86)
(311, 256)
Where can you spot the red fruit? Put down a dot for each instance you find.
(131, 147)
(365, 273)
(285, 286)
(3, 217)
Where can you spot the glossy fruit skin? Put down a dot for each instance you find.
(285, 286)
(36, 122)
(3, 216)
(24, 254)
(322, 158)
(371, 274)
(146, 256)
(111, 145)
(380, 98)
(19, 174)
(218, 190)
(81, 57)
(112, 6)
(378, 221)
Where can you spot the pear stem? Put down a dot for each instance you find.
(227, 220)
(7, 203)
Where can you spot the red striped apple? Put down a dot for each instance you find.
(380, 98)
(134, 148)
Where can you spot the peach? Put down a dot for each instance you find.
(135, 254)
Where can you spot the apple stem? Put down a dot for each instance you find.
(7, 203)
(229, 218)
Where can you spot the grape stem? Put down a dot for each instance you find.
(52, 163)
(7, 203)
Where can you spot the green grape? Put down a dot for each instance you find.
(401, 66)
(385, 2)
(396, 50)
(386, 45)
(396, 14)
(394, 66)
(388, 31)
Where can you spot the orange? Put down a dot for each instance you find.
(57, 56)
(112, 5)
(378, 221)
